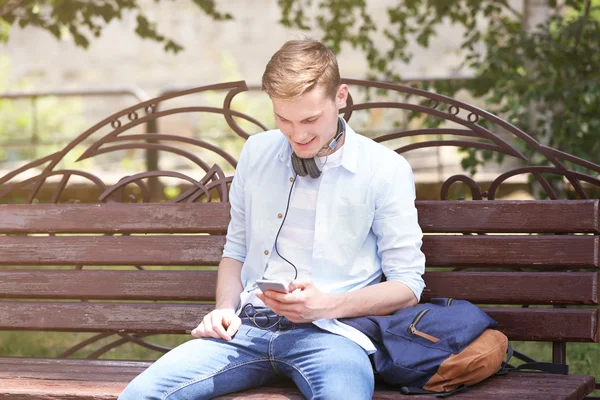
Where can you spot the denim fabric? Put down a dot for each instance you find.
(323, 365)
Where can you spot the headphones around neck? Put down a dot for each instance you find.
(308, 166)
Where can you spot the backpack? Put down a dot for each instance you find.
(441, 347)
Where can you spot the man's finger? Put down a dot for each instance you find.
(198, 332)
(287, 298)
(299, 284)
(233, 327)
(217, 326)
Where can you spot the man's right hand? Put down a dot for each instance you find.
(219, 324)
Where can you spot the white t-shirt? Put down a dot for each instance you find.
(295, 243)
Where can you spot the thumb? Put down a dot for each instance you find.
(234, 325)
(301, 284)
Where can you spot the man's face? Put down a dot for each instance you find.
(310, 121)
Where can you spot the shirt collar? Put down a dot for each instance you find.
(349, 157)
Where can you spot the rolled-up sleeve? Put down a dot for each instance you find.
(399, 236)
(235, 244)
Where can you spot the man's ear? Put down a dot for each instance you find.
(341, 95)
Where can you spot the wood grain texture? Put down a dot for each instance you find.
(512, 250)
(577, 325)
(109, 285)
(540, 324)
(477, 287)
(440, 250)
(112, 250)
(546, 216)
(560, 216)
(115, 218)
(103, 380)
(514, 287)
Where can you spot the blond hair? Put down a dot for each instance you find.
(300, 66)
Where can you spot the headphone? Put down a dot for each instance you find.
(308, 166)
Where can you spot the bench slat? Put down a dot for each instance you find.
(115, 218)
(512, 250)
(563, 216)
(545, 216)
(478, 287)
(111, 250)
(579, 251)
(579, 325)
(109, 285)
(514, 287)
(510, 386)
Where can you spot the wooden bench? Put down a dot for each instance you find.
(133, 304)
(146, 268)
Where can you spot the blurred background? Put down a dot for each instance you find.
(66, 65)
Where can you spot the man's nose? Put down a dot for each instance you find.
(299, 134)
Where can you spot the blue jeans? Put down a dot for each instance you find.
(323, 365)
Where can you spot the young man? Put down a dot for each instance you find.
(323, 208)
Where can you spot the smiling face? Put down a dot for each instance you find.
(309, 122)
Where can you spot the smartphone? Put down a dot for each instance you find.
(276, 286)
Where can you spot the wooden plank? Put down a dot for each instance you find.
(87, 379)
(115, 218)
(541, 324)
(517, 386)
(71, 369)
(497, 216)
(37, 389)
(579, 325)
(477, 287)
(514, 287)
(111, 250)
(579, 251)
(565, 251)
(560, 216)
(108, 285)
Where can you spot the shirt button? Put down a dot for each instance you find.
(280, 215)
(291, 179)
(266, 252)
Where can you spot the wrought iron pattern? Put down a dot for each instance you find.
(213, 186)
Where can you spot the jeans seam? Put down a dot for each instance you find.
(312, 391)
(271, 352)
(210, 375)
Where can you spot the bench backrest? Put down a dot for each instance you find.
(501, 254)
(129, 270)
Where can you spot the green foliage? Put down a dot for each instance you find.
(83, 19)
(543, 80)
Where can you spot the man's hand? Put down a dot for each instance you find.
(304, 302)
(219, 323)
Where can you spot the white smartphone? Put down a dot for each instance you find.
(276, 286)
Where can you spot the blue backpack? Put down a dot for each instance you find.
(439, 347)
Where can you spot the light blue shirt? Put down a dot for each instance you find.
(366, 221)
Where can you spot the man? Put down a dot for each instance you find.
(331, 232)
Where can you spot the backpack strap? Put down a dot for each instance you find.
(417, 390)
(552, 368)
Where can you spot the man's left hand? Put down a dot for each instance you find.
(303, 303)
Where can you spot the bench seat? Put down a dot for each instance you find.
(50, 379)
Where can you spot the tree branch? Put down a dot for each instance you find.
(586, 15)
(513, 11)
